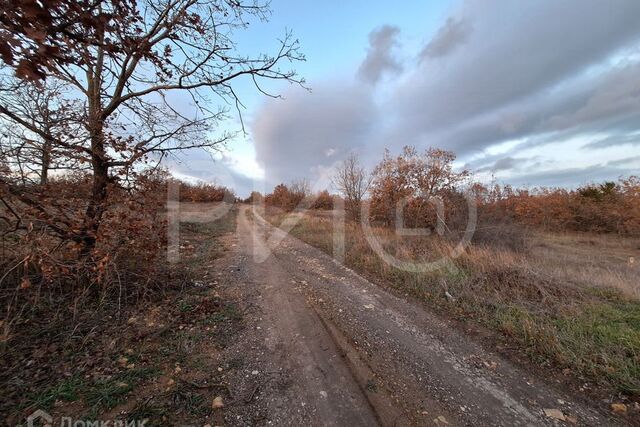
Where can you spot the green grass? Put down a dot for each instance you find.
(102, 394)
(604, 341)
(189, 401)
(185, 306)
(108, 393)
(68, 390)
(601, 342)
(179, 346)
(228, 312)
(147, 411)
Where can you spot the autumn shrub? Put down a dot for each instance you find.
(133, 238)
(254, 198)
(322, 201)
(288, 197)
(40, 267)
(610, 207)
(413, 183)
(204, 193)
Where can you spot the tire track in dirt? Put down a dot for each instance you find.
(433, 374)
(321, 388)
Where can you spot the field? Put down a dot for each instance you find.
(566, 302)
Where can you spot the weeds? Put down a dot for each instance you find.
(183, 398)
(78, 347)
(102, 394)
(110, 392)
(68, 390)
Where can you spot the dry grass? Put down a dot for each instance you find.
(569, 302)
(70, 362)
(203, 212)
(607, 261)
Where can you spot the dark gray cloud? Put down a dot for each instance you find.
(570, 177)
(311, 130)
(580, 108)
(518, 53)
(617, 94)
(380, 59)
(505, 164)
(614, 140)
(630, 161)
(454, 33)
(533, 171)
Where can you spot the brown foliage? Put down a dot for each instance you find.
(422, 190)
(294, 196)
(38, 36)
(411, 185)
(322, 201)
(131, 241)
(43, 276)
(205, 193)
(288, 197)
(254, 198)
(605, 208)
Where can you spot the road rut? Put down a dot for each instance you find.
(356, 354)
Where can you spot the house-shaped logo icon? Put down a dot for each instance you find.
(45, 419)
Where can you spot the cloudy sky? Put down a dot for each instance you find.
(540, 92)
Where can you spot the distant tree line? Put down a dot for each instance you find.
(423, 189)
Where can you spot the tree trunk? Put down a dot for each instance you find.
(98, 198)
(46, 162)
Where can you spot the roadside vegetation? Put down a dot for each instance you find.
(152, 356)
(89, 113)
(551, 272)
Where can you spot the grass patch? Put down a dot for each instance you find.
(146, 411)
(185, 306)
(102, 394)
(604, 341)
(228, 312)
(179, 347)
(107, 393)
(68, 390)
(185, 399)
(601, 342)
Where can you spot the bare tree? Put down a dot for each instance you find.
(33, 155)
(301, 187)
(352, 181)
(134, 67)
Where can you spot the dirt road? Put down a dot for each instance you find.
(323, 346)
